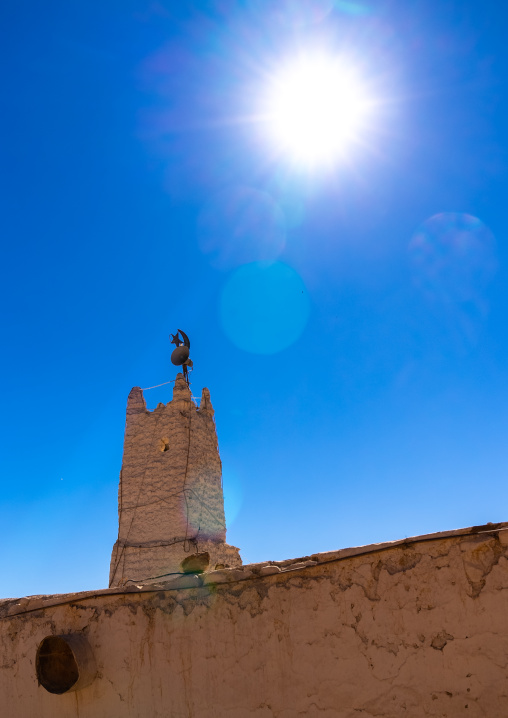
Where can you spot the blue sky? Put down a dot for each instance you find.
(349, 319)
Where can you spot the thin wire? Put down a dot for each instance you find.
(156, 499)
(150, 578)
(160, 544)
(122, 550)
(118, 539)
(186, 540)
(184, 483)
(167, 382)
(183, 491)
(213, 515)
(401, 543)
(157, 385)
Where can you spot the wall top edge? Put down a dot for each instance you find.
(11, 607)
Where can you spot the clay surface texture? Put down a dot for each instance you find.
(412, 628)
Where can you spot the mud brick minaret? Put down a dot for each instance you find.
(170, 499)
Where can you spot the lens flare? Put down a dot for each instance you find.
(317, 107)
(264, 307)
(240, 225)
(453, 260)
(453, 257)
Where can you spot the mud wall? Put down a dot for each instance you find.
(414, 628)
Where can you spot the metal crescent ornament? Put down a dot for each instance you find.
(185, 339)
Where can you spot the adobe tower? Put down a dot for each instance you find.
(170, 499)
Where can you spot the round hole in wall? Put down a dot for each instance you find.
(56, 666)
(64, 663)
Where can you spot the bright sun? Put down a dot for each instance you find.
(315, 108)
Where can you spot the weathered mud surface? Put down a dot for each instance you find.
(416, 628)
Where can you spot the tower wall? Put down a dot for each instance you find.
(170, 499)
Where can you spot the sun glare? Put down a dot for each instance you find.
(316, 108)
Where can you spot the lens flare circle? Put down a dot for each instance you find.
(453, 257)
(264, 307)
(317, 107)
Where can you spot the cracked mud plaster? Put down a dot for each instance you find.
(418, 629)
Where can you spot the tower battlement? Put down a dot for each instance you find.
(170, 498)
